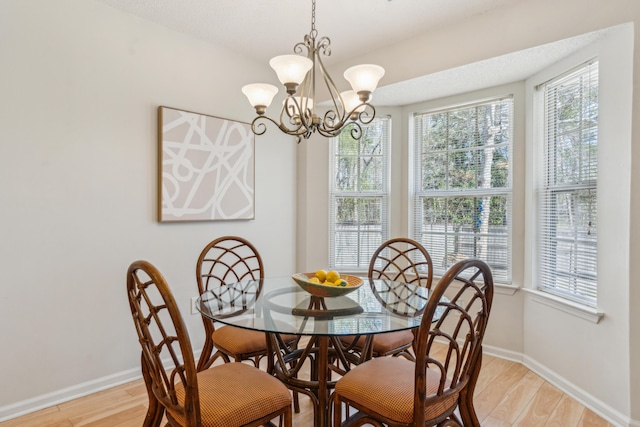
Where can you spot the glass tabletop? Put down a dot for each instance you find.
(280, 305)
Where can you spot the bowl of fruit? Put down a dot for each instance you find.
(327, 284)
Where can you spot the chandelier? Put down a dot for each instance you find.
(299, 74)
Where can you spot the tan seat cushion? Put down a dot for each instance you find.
(239, 341)
(243, 341)
(234, 394)
(383, 343)
(385, 385)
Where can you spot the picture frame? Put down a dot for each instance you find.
(206, 167)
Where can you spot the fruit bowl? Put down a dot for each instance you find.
(320, 290)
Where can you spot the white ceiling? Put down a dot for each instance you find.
(354, 27)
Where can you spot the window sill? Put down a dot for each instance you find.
(592, 315)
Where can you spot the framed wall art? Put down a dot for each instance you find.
(206, 169)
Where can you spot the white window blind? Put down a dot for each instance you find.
(462, 184)
(567, 230)
(359, 194)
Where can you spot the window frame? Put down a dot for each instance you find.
(384, 195)
(416, 193)
(544, 173)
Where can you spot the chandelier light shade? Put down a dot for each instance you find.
(291, 69)
(299, 74)
(260, 95)
(364, 78)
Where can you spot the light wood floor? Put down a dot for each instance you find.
(507, 394)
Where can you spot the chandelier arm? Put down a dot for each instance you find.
(300, 46)
(367, 115)
(299, 121)
(324, 45)
(355, 131)
(259, 128)
(339, 111)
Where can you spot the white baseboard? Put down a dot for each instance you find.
(596, 405)
(502, 353)
(47, 400)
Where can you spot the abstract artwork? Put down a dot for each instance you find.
(206, 167)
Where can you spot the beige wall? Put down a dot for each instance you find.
(80, 84)
(599, 364)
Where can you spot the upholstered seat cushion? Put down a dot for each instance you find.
(239, 341)
(242, 341)
(383, 343)
(386, 384)
(234, 394)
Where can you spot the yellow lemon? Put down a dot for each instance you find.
(333, 275)
(328, 283)
(321, 275)
(341, 282)
(314, 280)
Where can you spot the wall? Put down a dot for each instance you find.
(606, 343)
(80, 84)
(600, 363)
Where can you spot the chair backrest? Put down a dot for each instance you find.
(449, 339)
(404, 260)
(228, 259)
(167, 356)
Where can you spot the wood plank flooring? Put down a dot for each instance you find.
(507, 394)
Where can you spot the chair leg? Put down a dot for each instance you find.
(465, 401)
(288, 418)
(337, 411)
(296, 402)
(155, 412)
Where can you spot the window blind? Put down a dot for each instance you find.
(462, 184)
(567, 208)
(359, 195)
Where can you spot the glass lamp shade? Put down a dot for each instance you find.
(351, 101)
(260, 94)
(291, 68)
(365, 77)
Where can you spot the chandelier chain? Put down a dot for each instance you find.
(314, 32)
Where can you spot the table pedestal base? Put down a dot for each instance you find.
(326, 355)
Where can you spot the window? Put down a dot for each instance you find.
(359, 217)
(462, 184)
(567, 194)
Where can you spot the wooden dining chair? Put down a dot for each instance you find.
(230, 394)
(397, 392)
(403, 260)
(231, 259)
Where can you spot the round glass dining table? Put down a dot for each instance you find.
(278, 306)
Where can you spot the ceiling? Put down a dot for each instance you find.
(355, 27)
